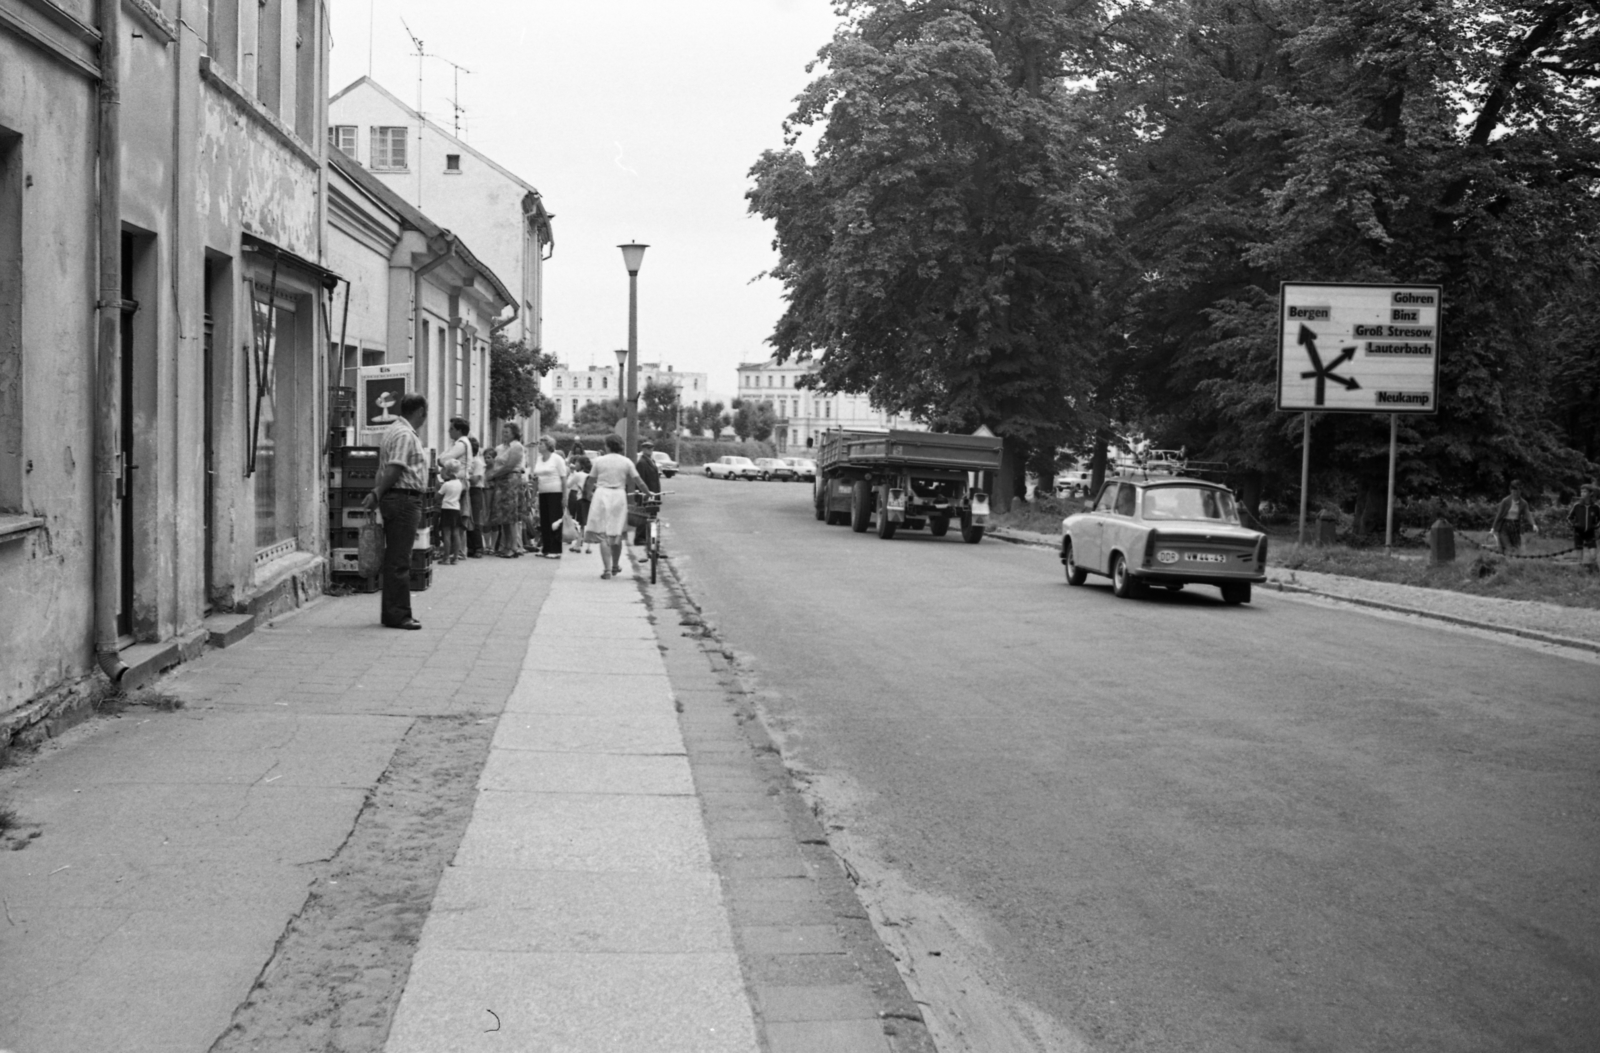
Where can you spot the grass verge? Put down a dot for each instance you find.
(1482, 574)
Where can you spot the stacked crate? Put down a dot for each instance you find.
(425, 548)
(352, 472)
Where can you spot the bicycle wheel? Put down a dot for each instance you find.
(655, 547)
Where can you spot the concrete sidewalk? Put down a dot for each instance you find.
(487, 834)
(582, 911)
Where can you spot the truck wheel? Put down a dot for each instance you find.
(886, 528)
(939, 526)
(1076, 575)
(1235, 593)
(860, 506)
(820, 501)
(1122, 583)
(971, 533)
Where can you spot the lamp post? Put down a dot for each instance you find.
(632, 257)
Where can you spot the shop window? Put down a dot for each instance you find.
(271, 381)
(343, 137)
(389, 149)
(11, 380)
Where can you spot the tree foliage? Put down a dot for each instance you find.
(600, 416)
(1054, 216)
(514, 372)
(658, 407)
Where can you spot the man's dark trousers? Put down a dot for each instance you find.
(401, 509)
(652, 481)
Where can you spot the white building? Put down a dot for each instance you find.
(490, 208)
(418, 298)
(573, 389)
(804, 413)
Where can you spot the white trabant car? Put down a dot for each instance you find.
(1169, 531)
(732, 467)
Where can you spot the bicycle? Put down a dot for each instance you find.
(648, 510)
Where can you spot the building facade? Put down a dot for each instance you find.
(573, 389)
(499, 214)
(418, 298)
(805, 413)
(162, 463)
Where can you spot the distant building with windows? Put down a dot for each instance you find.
(804, 413)
(497, 212)
(573, 389)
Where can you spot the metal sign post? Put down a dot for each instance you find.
(1388, 522)
(1305, 472)
(1358, 348)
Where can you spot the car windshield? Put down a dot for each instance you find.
(1189, 502)
(739, 460)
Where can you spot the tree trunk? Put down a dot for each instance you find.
(1370, 504)
(1250, 495)
(1097, 462)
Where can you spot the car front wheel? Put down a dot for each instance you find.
(1076, 575)
(1122, 582)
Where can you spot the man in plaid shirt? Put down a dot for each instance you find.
(402, 480)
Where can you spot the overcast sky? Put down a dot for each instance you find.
(636, 119)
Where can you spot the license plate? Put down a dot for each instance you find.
(1204, 557)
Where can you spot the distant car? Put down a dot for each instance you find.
(1072, 482)
(1168, 531)
(732, 468)
(665, 464)
(803, 468)
(773, 468)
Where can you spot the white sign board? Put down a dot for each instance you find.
(378, 391)
(1359, 348)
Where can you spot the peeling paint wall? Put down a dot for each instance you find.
(46, 576)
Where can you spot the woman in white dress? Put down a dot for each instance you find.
(611, 473)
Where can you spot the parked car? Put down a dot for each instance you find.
(732, 467)
(1168, 531)
(774, 468)
(803, 468)
(665, 464)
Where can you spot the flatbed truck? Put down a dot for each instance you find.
(911, 479)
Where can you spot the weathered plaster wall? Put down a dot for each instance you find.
(46, 580)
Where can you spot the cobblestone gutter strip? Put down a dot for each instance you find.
(1453, 619)
(819, 976)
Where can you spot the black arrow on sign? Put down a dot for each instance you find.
(1325, 373)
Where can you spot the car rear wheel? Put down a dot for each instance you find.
(1123, 583)
(1235, 593)
(1076, 575)
(860, 506)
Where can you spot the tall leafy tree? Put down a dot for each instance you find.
(941, 250)
(514, 372)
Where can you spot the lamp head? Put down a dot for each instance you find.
(633, 256)
(622, 358)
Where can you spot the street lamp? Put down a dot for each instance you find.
(622, 387)
(632, 258)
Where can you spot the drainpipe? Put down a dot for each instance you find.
(108, 351)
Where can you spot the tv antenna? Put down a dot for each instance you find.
(422, 120)
(455, 90)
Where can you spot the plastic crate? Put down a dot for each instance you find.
(421, 580)
(421, 558)
(358, 583)
(360, 478)
(344, 560)
(344, 537)
(351, 517)
(353, 457)
(424, 538)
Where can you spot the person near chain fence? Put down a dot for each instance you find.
(1585, 520)
(1509, 518)
(397, 494)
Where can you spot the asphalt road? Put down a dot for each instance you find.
(1184, 826)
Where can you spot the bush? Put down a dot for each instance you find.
(697, 452)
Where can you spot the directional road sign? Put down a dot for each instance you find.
(1359, 348)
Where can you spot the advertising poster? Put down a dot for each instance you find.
(378, 391)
